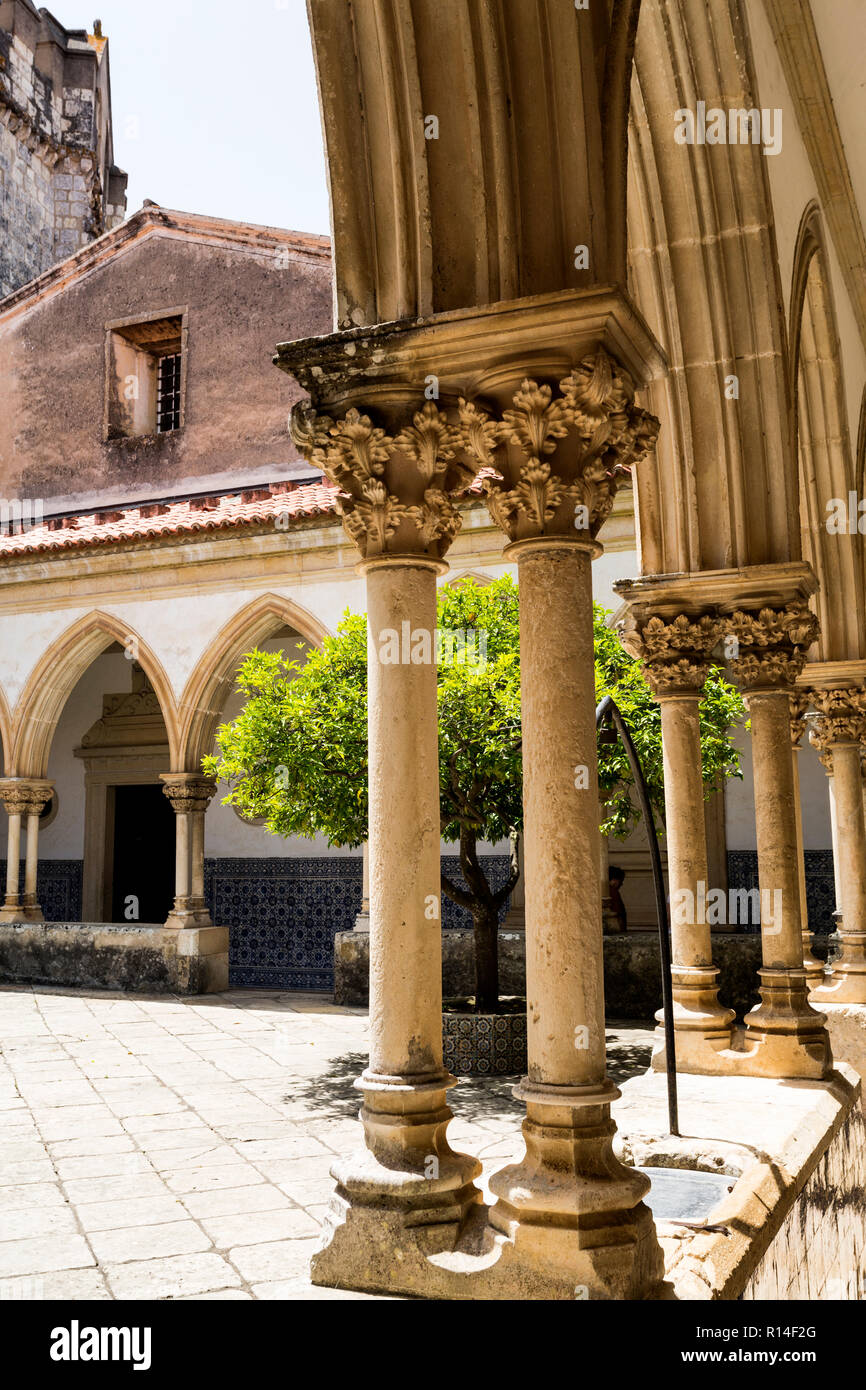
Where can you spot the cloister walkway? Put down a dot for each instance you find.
(157, 1147)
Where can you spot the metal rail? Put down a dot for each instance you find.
(608, 712)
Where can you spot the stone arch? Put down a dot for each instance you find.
(213, 677)
(826, 463)
(5, 733)
(482, 579)
(56, 674)
(721, 491)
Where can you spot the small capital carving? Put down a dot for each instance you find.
(554, 458)
(188, 791)
(675, 651)
(772, 645)
(23, 796)
(840, 719)
(396, 490)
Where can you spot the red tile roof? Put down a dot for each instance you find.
(154, 520)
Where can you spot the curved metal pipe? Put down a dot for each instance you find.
(608, 711)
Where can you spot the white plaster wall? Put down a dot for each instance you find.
(64, 837)
(740, 801)
(792, 184)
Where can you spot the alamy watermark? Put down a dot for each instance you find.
(20, 514)
(739, 906)
(736, 126)
(421, 647)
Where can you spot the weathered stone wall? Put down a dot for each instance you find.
(820, 1251)
(138, 958)
(632, 969)
(58, 186)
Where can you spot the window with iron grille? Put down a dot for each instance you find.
(168, 393)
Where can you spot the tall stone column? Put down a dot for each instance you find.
(24, 800)
(190, 794)
(676, 650)
(813, 967)
(556, 446)
(839, 731)
(407, 1195)
(785, 1036)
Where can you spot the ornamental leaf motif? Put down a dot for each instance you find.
(429, 441)
(537, 421)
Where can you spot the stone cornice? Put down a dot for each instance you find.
(718, 591)
(476, 351)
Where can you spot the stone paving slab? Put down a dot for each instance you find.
(168, 1148)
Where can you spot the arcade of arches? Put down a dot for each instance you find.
(711, 345)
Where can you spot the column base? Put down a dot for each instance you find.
(21, 912)
(188, 913)
(405, 1197)
(570, 1222)
(702, 1026)
(813, 967)
(784, 1035)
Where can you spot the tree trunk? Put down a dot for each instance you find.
(485, 919)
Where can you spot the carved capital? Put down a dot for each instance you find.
(771, 645)
(553, 458)
(675, 651)
(840, 718)
(396, 488)
(25, 796)
(188, 791)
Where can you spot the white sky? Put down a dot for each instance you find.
(215, 106)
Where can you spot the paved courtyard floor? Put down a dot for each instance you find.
(163, 1148)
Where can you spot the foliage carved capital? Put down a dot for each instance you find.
(23, 796)
(189, 792)
(771, 645)
(554, 457)
(396, 489)
(840, 718)
(675, 652)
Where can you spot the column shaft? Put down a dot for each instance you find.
(13, 858)
(703, 1026)
(787, 1036)
(197, 855)
(31, 860)
(846, 983)
(813, 967)
(405, 911)
(181, 855)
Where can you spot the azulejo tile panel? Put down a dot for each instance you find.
(58, 887)
(282, 916)
(484, 1044)
(820, 887)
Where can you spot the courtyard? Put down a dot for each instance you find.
(157, 1147)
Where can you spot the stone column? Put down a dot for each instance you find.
(568, 1206)
(189, 794)
(24, 799)
(785, 1036)
(676, 650)
(839, 730)
(813, 967)
(407, 1195)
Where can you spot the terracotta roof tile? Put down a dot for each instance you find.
(257, 506)
(156, 520)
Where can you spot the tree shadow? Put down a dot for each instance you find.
(333, 1094)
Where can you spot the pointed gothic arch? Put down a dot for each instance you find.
(721, 491)
(5, 733)
(55, 676)
(210, 683)
(827, 468)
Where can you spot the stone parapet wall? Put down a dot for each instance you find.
(142, 957)
(632, 969)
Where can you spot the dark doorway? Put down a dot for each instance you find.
(143, 861)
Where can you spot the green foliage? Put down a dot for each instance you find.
(619, 675)
(297, 754)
